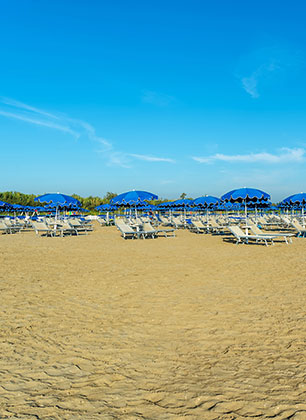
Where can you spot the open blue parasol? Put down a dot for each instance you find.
(133, 198)
(58, 200)
(245, 196)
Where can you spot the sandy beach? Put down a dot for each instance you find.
(95, 327)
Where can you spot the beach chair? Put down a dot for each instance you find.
(65, 228)
(242, 237)
(177, 222)
(164, 220)
(80, 227)
(147, 231)
(4, 228)
(301, 231)
(126, 230)
(197, 226)
(14, 227)
(168, 233)
(214, 227)
(286, 222)
(43, 228)
(101, 221)
(257, 231)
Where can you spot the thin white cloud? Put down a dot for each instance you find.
(150, 158)
(250, 83)
(43, 123)
(284, 155)
(20, 105)
(10, 108)
(264, 67)
(156, 98)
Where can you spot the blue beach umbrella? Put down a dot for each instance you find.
(165, 206)
(144, 207)
(206, 201)
(39, 208)
(58, 201)
(245, 195)
(106, 207)
(186, 202)
(133, 198)
(5, 206)
(295, 200)
(299, 199)
(183, 204)
(16, 208)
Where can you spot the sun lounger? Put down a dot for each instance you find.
(126, 230)
(43, 228)
(164, 220)
(214, 227)
(4, 228)
(301, 231)
(147, 231)
(104, 222)
(177, 223)
(101, 221)
(285, 236)
(168, 233)
(242, 237)
(14, 227)
(75, 223)
(65, 228)
(197, 226)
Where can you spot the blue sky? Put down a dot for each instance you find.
(168, 96)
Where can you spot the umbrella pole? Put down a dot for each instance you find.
(246, 217)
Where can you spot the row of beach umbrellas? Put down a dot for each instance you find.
(235, 199)
(53, 203)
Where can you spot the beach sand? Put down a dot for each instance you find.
(95, 327)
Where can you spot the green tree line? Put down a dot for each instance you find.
(89, 203)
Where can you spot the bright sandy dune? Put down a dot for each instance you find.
(95, 327)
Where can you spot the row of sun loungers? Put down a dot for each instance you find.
(47, 226)
(7, 226)
(252, 234)
(63, 227)
(255, 231)
(142, 230)
(264, 229)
